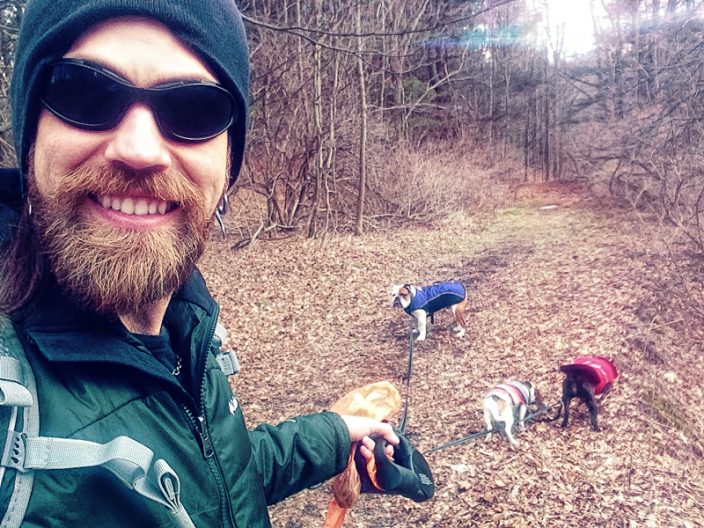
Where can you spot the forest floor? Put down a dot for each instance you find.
(313, 320)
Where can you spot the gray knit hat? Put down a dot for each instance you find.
(213, 29)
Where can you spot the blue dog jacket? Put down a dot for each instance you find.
(436, 297)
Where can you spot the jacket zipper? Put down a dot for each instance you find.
(200, 426)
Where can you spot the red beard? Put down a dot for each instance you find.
(112, 269)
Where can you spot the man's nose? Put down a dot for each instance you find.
(136, 142)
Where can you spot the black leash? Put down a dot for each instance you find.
(409, 372)
(478, 434)
(459, 441)
(532, 417)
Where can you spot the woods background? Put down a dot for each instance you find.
(365, 112)
(373, 110)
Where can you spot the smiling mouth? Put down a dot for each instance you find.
(136, 206)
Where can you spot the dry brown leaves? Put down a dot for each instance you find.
(313, 321)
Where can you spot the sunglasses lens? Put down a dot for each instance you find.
(84, 97)
(194, 112)
(93, 98)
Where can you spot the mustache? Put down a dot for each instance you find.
(169, 185)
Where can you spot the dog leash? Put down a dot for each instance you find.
(478, 434)
(532, 417)
(464, 440)
(409, 372)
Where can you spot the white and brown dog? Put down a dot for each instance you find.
(507, 403)
(424, 301)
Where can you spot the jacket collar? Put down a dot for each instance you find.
(63, 332)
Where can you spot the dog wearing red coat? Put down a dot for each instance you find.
(585, 378)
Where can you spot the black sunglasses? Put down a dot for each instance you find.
(88, 96)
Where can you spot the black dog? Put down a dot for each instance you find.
(586, 378)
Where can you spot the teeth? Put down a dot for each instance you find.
(134, 206)
(127, 206)
(141, 207)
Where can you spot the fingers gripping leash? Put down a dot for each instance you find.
(407, 473)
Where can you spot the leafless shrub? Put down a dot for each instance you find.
(10, 16)
(433, 183)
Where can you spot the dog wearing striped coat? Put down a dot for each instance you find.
(507, 403)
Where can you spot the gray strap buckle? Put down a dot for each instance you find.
(228, 362)
(227, 359)
(15, 451)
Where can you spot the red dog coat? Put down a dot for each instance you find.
(599, 370)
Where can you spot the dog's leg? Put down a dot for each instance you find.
(522, 416)
(487, 421)
(593, 411)
(566, 398)
(457, 327)
(458, 313)
(566, 411)
(605, 392)
(422, 321)
(508, 426)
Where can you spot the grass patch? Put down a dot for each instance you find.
(672, 413)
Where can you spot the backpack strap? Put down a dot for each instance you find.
(25, 451)
(129, 460)
(18, 391)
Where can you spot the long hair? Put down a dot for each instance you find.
(21, 265)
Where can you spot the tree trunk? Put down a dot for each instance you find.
(362, 183)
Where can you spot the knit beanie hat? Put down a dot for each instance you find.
(212, 29)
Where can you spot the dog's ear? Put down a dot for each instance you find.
(396, 290)
(531, 390)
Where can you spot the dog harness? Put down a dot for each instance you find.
(517, 391)
(601, 370)
(436, 297)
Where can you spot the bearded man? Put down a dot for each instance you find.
(129, 120)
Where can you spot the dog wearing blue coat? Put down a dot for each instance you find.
(422, 302)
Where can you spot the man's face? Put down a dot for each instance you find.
(123, 214)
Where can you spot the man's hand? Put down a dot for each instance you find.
(361, 430)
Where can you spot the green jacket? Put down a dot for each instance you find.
(96, 381)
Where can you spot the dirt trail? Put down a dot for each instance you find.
(313, 322)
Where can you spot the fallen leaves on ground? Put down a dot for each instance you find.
(313, 320)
